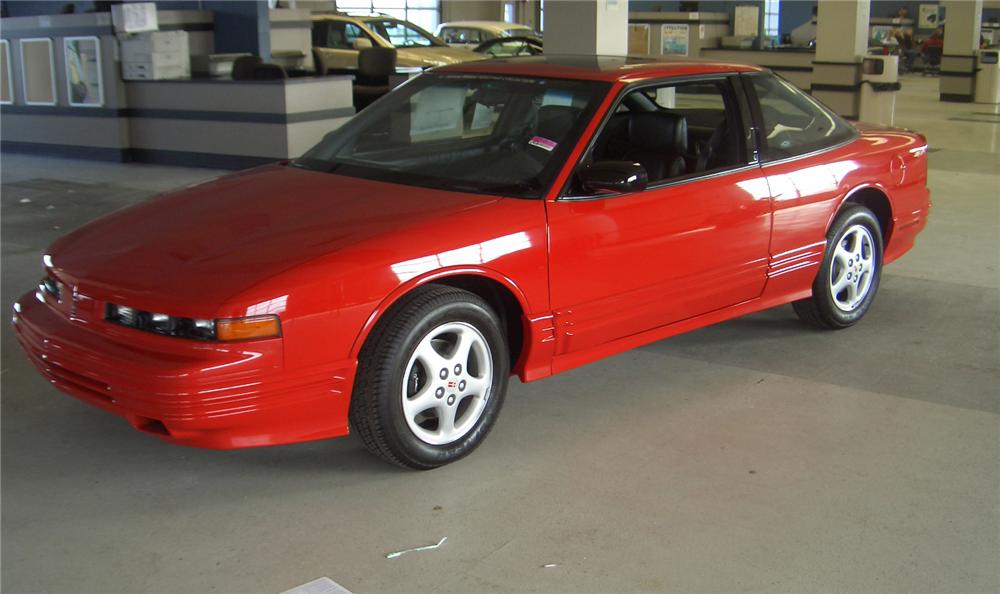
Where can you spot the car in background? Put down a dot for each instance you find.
(469, 34)
(511, 47)
(494, 218)
(337, 38)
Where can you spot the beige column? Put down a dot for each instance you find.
(962, 19)
(586, 27)
(841, 43)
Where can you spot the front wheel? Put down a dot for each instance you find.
(849, 275)
(431, 378)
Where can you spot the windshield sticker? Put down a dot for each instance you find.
(437, 111)
(542, 143)
(558, 97)
(482, 117)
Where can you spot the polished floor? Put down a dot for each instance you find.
(757, 455)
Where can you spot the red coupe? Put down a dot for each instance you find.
(486, 219)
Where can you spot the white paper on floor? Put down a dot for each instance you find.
(323, 585)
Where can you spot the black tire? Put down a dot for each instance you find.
(821, 310)
(376, 411)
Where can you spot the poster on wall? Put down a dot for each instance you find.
(6, 82)
(747, 21)
(930, 16)
(84, 85)
(638, 39)
(674, 40)
(38, 72)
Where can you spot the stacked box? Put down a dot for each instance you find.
(156, 55)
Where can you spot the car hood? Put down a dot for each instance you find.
(208, 243)
(434, 56)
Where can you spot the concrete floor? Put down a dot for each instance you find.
(757, 455)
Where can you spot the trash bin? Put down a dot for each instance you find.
(988, 77)
(879, 86)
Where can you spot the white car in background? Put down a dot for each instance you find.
(337, 39)
(469, 34)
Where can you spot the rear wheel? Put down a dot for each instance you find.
(431, 378)
(848, 278)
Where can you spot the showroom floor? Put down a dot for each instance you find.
(757, 455)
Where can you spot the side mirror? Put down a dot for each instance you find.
(614, 176)
(361, 43)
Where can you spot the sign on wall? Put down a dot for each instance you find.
(84, 85)
(638, 39)
(674, 39)
(38, 71)
(6, 81)
(930, 16)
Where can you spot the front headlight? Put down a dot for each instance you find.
(223, 330)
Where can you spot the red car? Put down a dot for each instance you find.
(486, 219)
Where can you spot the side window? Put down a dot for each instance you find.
(320, 33)
(336, 34)
(352, 32)
(675, 130)
(793, 122)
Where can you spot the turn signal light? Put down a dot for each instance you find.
(247, 328)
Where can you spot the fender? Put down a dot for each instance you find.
(887, 233)
(428, 277)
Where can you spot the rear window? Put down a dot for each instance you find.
(793, 122)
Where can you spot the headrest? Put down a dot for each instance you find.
(658, 131)
(555, 121)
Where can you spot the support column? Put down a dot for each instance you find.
(962, 19)
(841, 43)
(586, 27)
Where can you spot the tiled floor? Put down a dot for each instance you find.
(754, 455)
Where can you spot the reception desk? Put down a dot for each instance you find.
(219, 123)
(203, 123)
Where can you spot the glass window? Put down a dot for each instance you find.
(794, 123)
(493, 135)
(456, 35)
(336, 34)
(399, 34)
(772, 10)
(675, 130)
(423, 13)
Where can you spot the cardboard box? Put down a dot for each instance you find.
(151, 43)
(160, 59)
(133, 17)
(137, 71)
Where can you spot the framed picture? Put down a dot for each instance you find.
(674, 40)
(38, 75)
(84, 84)
(638, 39)
(6, 76)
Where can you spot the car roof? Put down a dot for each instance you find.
(602, 68)
(336, 16)
(485, 24)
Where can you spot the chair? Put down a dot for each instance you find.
(375, 65)
(932, 60)
(243, 67)
(658, 141)
(269, 71)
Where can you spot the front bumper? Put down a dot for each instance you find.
(212, 395)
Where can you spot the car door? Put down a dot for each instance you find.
(334, 43)
(806, 178)
(689, 244)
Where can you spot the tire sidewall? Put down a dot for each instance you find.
(394, 369)
(855, 215)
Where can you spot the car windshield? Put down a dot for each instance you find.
(400, 34)
(474, 133)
